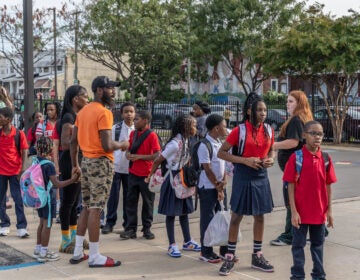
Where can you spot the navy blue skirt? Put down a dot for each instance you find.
(251, 193)
(169, 204)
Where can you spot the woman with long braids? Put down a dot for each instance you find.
(177, 154)
(75, 99)
(251, 193)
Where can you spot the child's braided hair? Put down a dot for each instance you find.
(44, 146)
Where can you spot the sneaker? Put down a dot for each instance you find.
(227, 266)
(4, 231)
(102, 223)
(36, 254)
(174, 251)
(49, 257)
(22, 233)
(259, 262)
(212, 258)
(107, 229)
(127, 234)
(278, 242)
(148, 234)
(191, 246)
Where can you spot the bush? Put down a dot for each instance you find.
(275, 98)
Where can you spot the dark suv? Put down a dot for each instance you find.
(164, 115)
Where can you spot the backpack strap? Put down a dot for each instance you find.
(269, 130)
(242, 138)
(325, 156)
(138, 141)
(16, 140)
(209, 147)
(298, 163)
(118, 128)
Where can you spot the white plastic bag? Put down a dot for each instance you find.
(217, 232)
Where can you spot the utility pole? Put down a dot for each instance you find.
(76, 80)
(55, 57)
(28, 63)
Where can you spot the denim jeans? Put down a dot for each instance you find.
(113, 202)
(209, 205)
(317, 236)
(16, 195)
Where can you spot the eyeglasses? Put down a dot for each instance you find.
(314, 133)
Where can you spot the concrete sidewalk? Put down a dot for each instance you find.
(148, 259)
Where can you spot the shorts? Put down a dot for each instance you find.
(96, 179)
(44, 212)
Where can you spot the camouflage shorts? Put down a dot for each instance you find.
(97, 174)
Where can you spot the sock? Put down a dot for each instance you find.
(43, 251)
(79, 248)
(37, 248)
(231, 248)
(257, 246)
(94, 256)
(73, 230)
(65, 238)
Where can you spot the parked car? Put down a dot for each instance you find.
(276, 117)
(351, 127)
(164, 115)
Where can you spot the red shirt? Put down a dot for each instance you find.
(311, 196)
(149, 146)
(258, 147)
(10, 159)
(56, 136)
(48, 129)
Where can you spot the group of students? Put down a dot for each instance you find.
(137, 153)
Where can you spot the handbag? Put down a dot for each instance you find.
(156, 180)
(182, 191)
(217, 232)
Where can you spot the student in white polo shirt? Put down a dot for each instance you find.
(212, 182)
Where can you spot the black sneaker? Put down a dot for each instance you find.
(211, 258)
(259, 262)
(227, 266)
(148, 234)
(106, 229)
(127, 234)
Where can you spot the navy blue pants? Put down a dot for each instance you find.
(209, 205)
(16, 195)
(113, 202)
(317, 236)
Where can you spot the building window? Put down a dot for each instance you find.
(274, 85)
(59, 68)
(46, 69)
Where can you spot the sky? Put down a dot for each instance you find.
(335, 7)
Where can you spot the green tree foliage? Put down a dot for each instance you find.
(12, 30)
(142, 40)
(236, 31)
(325, 50)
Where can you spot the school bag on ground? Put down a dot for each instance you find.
(217, 232)
(34, 193)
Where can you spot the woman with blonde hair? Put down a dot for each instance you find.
(290, 139)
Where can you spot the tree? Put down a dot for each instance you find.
(11, 33)
(325, 50)
(236, 31)
(142, 41)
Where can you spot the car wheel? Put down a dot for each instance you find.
(274, 126)
(167, 124)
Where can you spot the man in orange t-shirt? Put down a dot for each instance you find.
(92, 133)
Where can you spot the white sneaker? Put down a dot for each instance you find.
(36, 254)
(22, 233)
(4, 231)
(49, 257)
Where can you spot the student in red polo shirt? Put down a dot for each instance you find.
(141, 154)
(310, 201)
(12, 164)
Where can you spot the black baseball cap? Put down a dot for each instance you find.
(103, 81)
